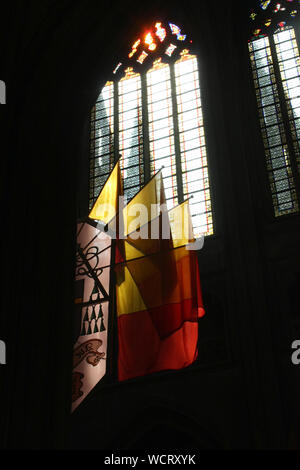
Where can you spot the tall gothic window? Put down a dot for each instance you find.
(275, 61)
(150, 114)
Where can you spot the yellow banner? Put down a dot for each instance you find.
(145, 205)
(107, 205)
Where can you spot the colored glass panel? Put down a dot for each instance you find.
(174, 28)
(264, 5)
(142, 57)
(134, 48)
(160, 32)
(170, 50)
(149, 41)
(117, 67)
(177, 31)
(278, 8)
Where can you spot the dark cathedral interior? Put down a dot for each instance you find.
(243, 390)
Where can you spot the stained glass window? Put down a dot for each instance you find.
(130, 132)
(161, 129)
(192, 141)
(102, 139)
(150, 114)
(289, 66)
(275, 64)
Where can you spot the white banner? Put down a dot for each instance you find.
(91, 310)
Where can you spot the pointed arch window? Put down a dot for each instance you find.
(275, 61)
(150, 113)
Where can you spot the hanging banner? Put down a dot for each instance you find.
(91, 310)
